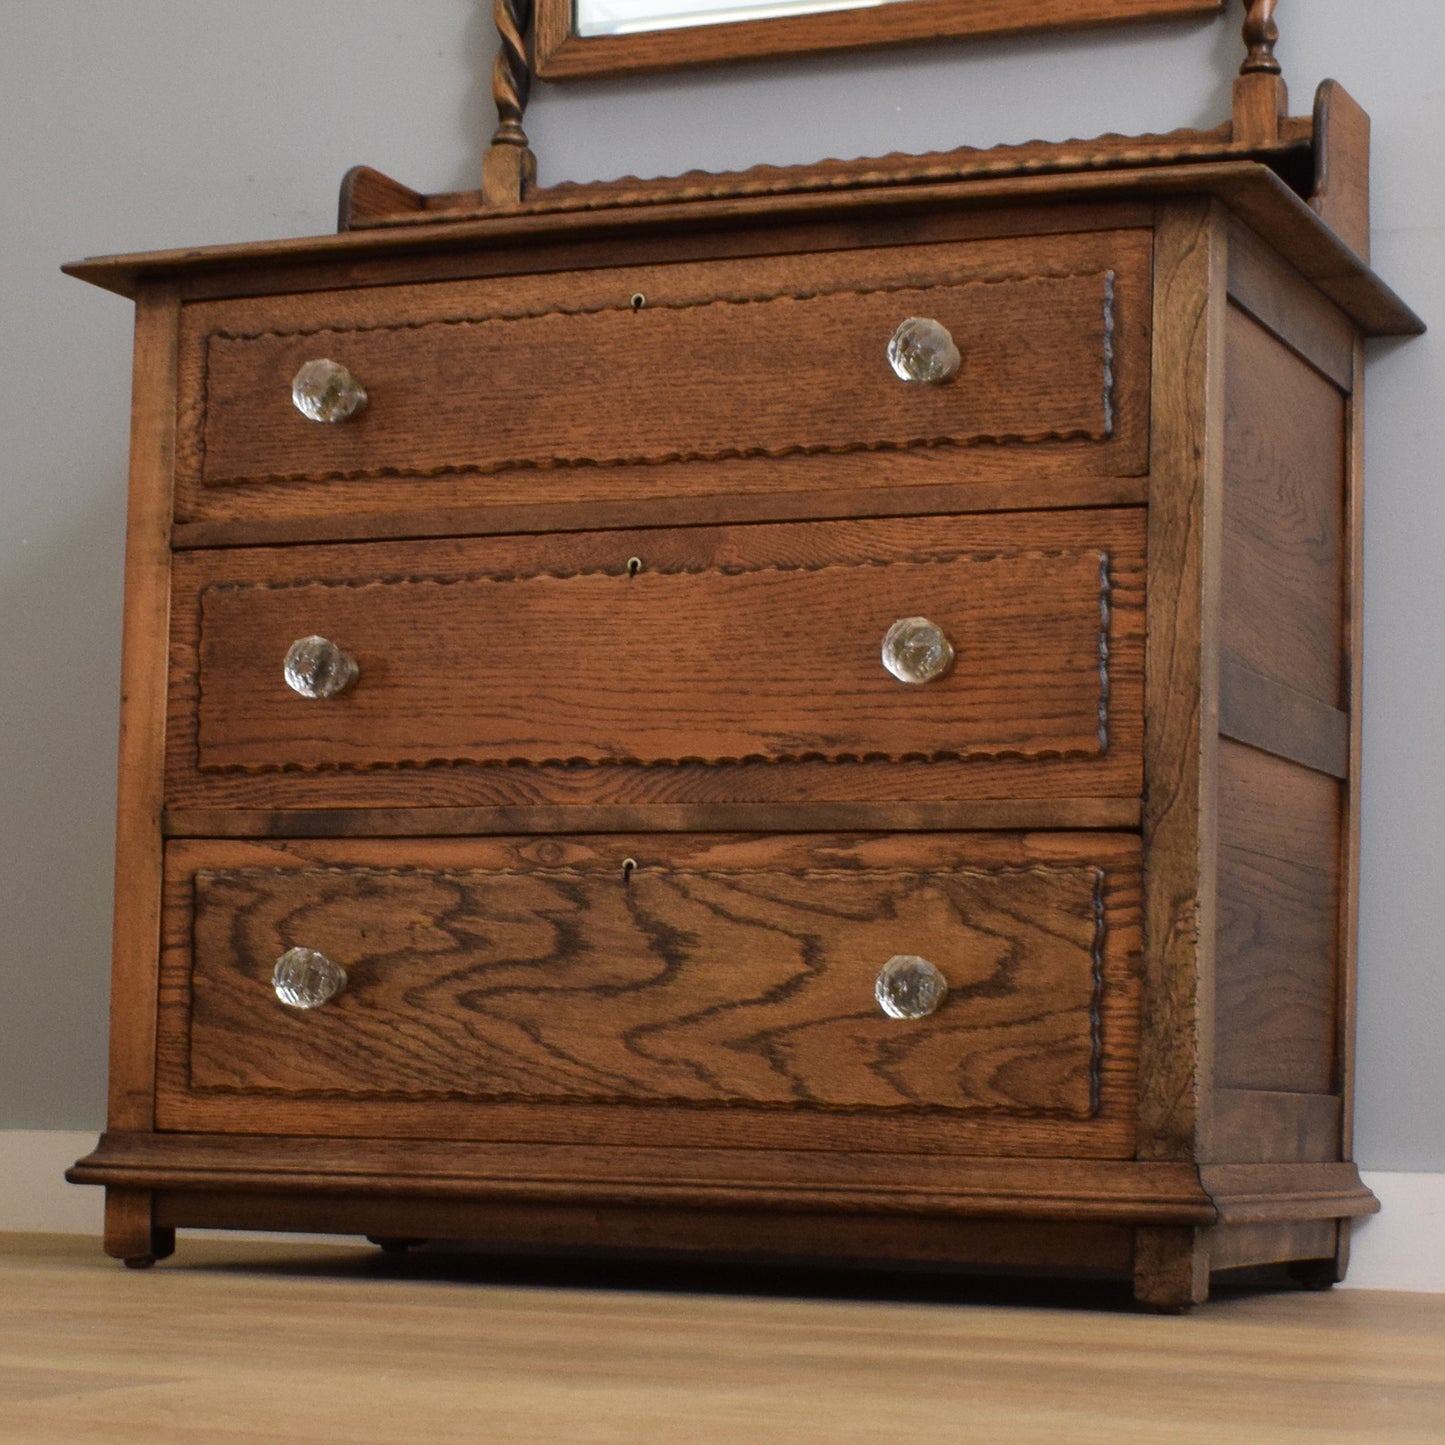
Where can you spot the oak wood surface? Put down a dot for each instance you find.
(1353, 626)
(808, 1179)
(579, 392)
(242, 1340)
(701, 1050)
(1342, 165)
(1277, 970)
(1283, 581)
(1182, 663)
(770, 1237)
(1256, 1126)
(774, 660)
(1272, 806)
(1262, 283)
(1245, 1245)
(939, 490)
(551, 976)
(1281, 720)
(1011, 814)
(146, 620)
(654, 983)
(704, 677)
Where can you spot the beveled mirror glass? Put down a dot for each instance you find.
(624, 37)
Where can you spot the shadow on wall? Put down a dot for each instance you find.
(60, 593)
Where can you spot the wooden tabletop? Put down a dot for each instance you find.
(260, 1342)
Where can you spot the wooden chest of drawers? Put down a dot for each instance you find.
(642, 905)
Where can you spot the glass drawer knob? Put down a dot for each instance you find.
(324, 390)
(916, 650)
(316, 667)
(922, 350)
(909, 987)
(304, 978)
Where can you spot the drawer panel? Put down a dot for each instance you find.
(628, 971)
(575, 394)
(720, 649)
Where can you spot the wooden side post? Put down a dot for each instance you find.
(509, 167)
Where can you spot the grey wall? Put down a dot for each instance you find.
(148, 123)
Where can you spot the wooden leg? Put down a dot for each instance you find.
(1327, 1271)
(1171, 1269)
(131, 1234)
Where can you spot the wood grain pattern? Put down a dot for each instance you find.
(1283, 583)
(1112, 814)
(1278, 719)
(137, 917)
(753, 372)
(665, 667)
(561, 54)
(1353, 625)
(656, 984)
(1256, 1126)
(1180, 734)
(1277, 971)
(1277, 968)
(1342, 165)
(1262, 283)
(878, 485)
(1113, 1191)
(543, 976)
(1271, 806)
(729, 644)
(709, 368)
(1261, 1193)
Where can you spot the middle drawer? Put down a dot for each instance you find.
(732, 664)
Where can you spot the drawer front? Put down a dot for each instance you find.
(586, 394)
(737, 651)
(656, 972)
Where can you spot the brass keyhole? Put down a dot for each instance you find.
(634, 566)
(629, 867)
(637, 301)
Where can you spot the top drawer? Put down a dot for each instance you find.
(671, 381)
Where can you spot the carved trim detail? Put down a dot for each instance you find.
(928, 281)
(1111, 151)
(949, 755)
(1097, 911)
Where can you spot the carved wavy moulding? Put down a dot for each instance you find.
(370, 199)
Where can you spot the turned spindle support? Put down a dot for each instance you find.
(1261, 99)
(509, 166)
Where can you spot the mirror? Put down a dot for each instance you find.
(577, 38)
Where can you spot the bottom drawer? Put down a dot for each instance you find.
(646, 989)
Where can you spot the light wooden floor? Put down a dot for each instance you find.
(245, 1342)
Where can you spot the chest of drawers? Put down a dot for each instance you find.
(714, 794)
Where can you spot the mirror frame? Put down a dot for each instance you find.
(560, 54)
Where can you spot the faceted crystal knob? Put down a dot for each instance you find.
(909, 987)
(316, 667)
(922, 350)
(324, 390)
(304, 978)
(916, 650)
